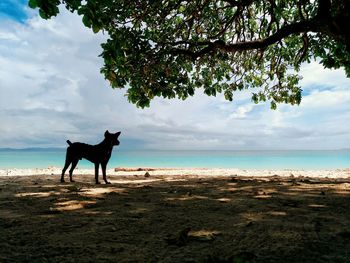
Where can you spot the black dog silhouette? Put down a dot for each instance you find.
(97, 154)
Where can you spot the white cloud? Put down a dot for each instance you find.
(8, 36)
(242, 111)
(51, 90)
(314, 74)
(336, 97)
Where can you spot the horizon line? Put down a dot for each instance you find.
(189, 150)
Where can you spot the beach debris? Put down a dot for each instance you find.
(133, 169)
(146, 169)
(147, 174)
(180, 239)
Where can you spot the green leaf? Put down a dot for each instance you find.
(33, 3)
(190, 91)
(228, 95)
(255, 98)
(273, 105)
(95, 28)
(43, 14)
(86, 21)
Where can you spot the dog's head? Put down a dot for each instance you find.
(112, 137)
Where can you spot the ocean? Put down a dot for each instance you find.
(304, 159)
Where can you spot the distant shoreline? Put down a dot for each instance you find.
(176, 150)
(257, 159)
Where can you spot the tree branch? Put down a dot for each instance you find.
(296, 28)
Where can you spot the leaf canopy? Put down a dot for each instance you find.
(170, 48)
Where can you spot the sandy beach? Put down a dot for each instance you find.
(175, 215)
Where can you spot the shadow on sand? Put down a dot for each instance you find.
(137, 219)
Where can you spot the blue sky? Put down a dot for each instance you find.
(14, 9)
(51, 90)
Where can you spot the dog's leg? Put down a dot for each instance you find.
(96, 173)
(104, 165)
(63, 171)
(74, 164)
(66, 165)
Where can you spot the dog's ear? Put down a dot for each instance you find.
(107, 133)
(118, 133)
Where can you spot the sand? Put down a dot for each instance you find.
(175, 215)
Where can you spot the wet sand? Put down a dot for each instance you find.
(171, 215)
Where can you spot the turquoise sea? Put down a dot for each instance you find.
(43, 158)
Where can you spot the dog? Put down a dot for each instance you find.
(97, 154)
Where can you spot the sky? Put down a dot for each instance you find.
(51, 90)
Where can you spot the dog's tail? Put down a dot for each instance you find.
(69, 142)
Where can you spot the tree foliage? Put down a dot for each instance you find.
(170, 48)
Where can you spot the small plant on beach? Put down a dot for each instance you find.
(170, 48)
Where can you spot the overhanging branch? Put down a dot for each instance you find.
(296, 28)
